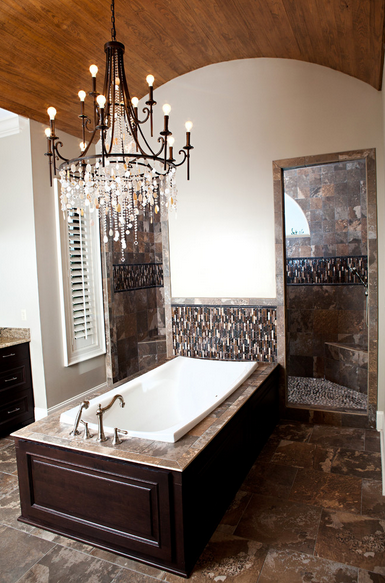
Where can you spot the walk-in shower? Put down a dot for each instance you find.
(327, 285)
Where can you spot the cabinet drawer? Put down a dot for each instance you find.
(13, 355)
(14, 377)
(17, 410)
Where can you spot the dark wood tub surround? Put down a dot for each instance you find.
(159, 505)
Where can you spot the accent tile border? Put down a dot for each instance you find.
(225, 332)
(326, 270)
(128, 277)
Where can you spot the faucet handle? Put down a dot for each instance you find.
(87, 433)
(116, 439)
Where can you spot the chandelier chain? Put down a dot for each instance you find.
(113, 29)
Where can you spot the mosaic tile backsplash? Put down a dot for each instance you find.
(326, 271)
(233, 333)
(138, 276)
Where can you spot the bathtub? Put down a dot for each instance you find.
(165, 403)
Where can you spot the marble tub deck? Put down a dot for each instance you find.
(309, 511)
(174, 456)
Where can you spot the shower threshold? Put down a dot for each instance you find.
(324, 393)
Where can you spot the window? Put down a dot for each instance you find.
(296, 224)
(80, 272)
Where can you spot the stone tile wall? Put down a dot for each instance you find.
(318, 314)
(135, 298)
(333, 198)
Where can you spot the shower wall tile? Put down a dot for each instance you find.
(225, 332)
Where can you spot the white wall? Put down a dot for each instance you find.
(246, 114)
(18, 267)
(28, 265)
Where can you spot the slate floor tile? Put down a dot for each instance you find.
(65, 565)
(346, 437)
(8, 483)
(327, 490)
(235, 511)
(18, 553)
(227, 558)
(363, 464)
(8, 459)
(280, 523)
(370, 577)
(128, 563)
(270, 479)
(372, 440)
(292, 567)
(268, 449)
(352, 539)
(373, 502)
(293, 431)
(294, 453)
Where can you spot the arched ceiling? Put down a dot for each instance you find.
(46, 46)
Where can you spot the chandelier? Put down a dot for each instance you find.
(126, 176)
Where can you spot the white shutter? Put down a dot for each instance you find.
(82, 311)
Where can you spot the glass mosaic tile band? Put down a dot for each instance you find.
(326, 270)
(223, 332)
(137, 276)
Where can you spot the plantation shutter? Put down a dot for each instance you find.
(79, 265)
(81, 277)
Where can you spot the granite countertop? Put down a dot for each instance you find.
(13, 336)
(173, 456)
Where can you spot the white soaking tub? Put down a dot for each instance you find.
(165, 403)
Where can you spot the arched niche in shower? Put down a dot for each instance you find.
(342, 239)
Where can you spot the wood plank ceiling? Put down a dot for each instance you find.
(46, 46)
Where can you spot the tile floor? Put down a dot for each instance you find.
(309, 511)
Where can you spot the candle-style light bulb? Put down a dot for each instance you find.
(135, 101)
(93, 70)
(188, 125)
(52, 113)
(150, 80)
(82, 95)
(47, 132)
(171, 141)
(82, 146)
(166, 109)
(101, 101)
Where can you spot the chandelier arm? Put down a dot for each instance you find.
(88, 122)
(146, 111)
(57, 153)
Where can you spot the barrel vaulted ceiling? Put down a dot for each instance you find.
(47, 46)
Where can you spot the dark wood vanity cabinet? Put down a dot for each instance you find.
(16, 394)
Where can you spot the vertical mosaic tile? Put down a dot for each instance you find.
(232, 333)
(327, 270)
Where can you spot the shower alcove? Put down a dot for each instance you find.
(327, 287)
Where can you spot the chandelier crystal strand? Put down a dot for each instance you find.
(127, 176)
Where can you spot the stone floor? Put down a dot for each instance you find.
(324, 393)
(309, 511)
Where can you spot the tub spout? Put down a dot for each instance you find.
(99, 413)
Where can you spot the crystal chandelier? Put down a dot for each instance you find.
(127, 175)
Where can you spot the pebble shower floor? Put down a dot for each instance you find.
(321, 392)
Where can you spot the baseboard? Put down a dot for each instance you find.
(381, 428)
(40, 413)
